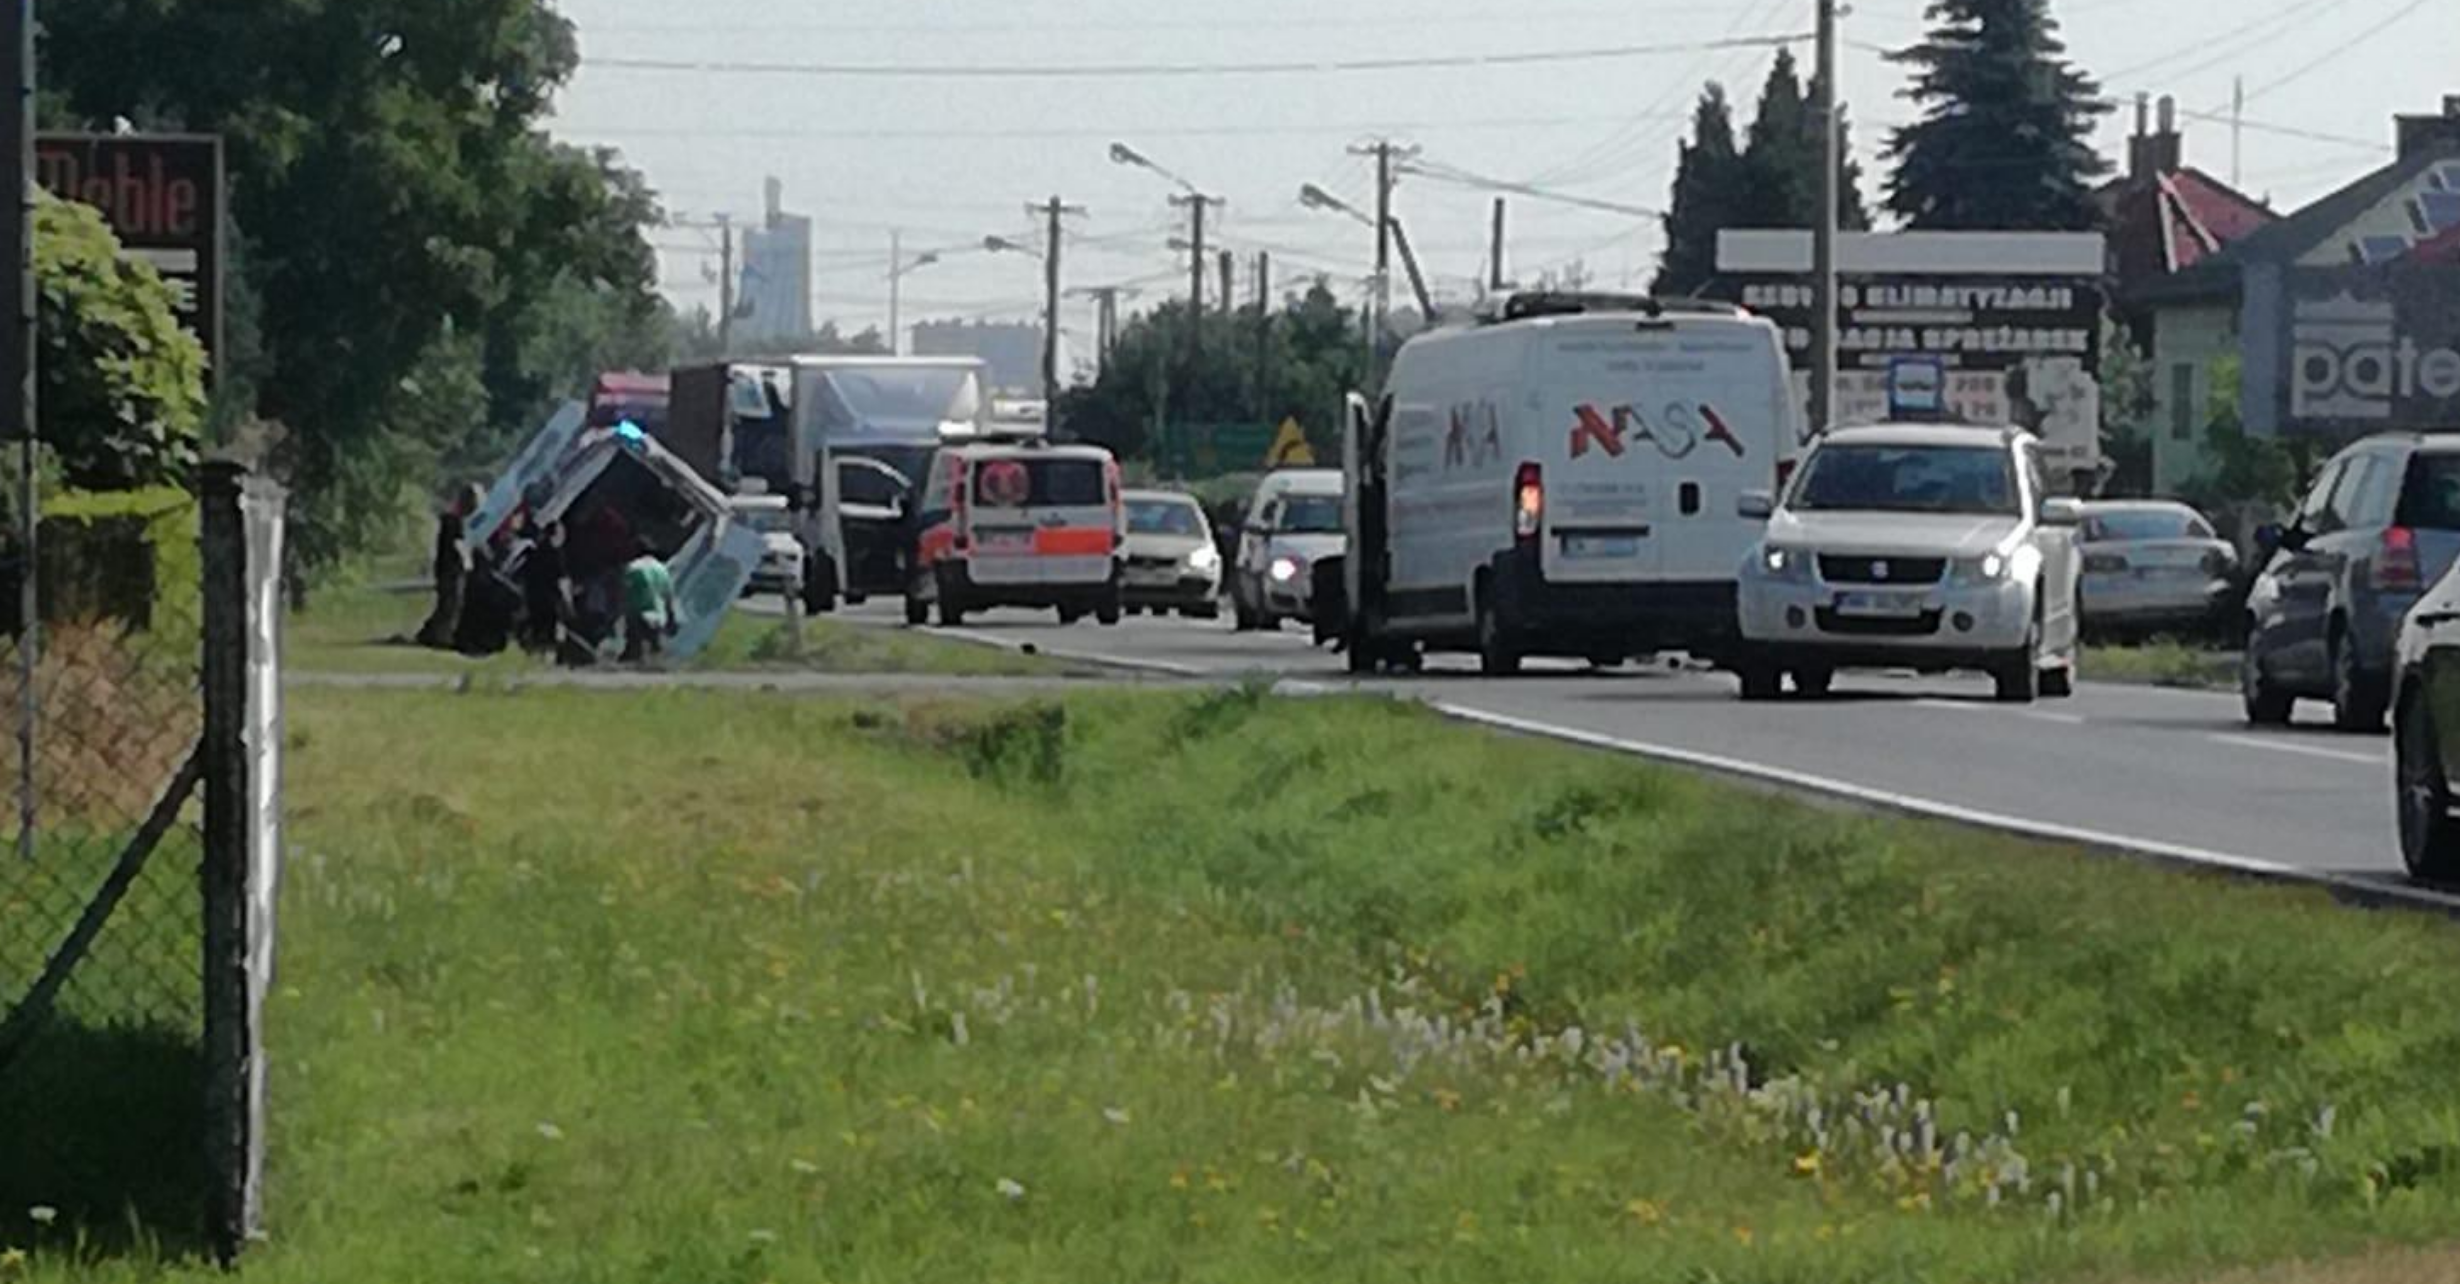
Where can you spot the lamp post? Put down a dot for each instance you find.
(899, 268)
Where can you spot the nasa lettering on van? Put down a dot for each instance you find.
(1677, 434)
(2351, 362)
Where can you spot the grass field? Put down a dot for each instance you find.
(363, 629)
(2162, 663)
(1219, 987)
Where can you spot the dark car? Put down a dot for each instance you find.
(2381, 524)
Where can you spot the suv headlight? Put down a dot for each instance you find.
(1995, 568)
(1784, 565)
(1204, 560)
(1286, 569)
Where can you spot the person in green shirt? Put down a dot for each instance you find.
(651, 613)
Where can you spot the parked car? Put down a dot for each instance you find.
(2322, 619)
(2151, 565)
(2426, 732)
(1560, 480)
(1294, 521)
(1172, 561)
(1918, 546)
(781, 555)
(1024, 524)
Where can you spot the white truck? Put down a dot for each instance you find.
(864, 430)
(1560, 478)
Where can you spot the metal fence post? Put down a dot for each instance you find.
(224, 871)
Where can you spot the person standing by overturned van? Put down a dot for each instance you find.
(651, 613)
(451, 568)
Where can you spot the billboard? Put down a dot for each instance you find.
(1991, 328)
(162, 194)
(2372, 349)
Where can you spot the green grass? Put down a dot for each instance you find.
(1219, 987)
(363, 628)
(2163, 662)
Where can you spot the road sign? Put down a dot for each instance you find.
(1917, 387)
(1290, 448)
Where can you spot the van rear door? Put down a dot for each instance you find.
(1043, 519)
(1650, 433)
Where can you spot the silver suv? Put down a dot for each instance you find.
(1928, 547)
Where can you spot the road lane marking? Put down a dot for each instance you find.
(2044, 715)
(2363, 889)
(1978, 706)
(2304, 750)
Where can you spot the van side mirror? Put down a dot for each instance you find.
(2062, 512)
(1756, 505)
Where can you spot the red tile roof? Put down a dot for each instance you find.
(2441, 250)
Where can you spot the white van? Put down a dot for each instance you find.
(1293, 522)
(1561, 479)
(1024, 524)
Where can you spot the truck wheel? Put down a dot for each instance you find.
(1497, 657)
(1760, 680)
(1813, 682)
(819, 587)
(1107, 614)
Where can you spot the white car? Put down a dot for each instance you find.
(781, 554)
(1294, 521)
(1928, 547)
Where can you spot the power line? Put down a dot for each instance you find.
(1079, 71)
(2327, 56)
(1194, 131)
(1443, 173)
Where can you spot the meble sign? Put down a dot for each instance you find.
(162, 195)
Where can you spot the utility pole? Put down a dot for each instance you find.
(1054, 210)
(726, 287)
(1495, 253)
(1194, 203)
(1824, 234)
(896, 293)
(2237, 127)
(1264, 331)
(1386, 154)
(1229, 273)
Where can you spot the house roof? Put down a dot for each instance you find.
(2442, 250)
(2173, 220)
(2287, 240)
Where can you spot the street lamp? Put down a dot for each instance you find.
(1002, 245)
(1316, 198)
(898, 270)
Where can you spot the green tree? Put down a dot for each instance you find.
(1312, 353)
(1708, 197)
(2005, 138)
(1781, 158)
(122, 385)
(398, 212)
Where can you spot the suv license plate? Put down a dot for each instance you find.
(1886, 606)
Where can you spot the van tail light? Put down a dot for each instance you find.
(1528, 503)
(2396, 569)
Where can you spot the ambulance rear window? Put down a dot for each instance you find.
(1049, 483)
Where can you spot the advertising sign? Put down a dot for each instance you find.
(162, 194)
(1988, 328)
(2372, 349)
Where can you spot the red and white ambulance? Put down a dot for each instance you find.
(1018, 523)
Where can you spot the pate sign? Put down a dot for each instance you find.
(2373, 349)
(162, 194)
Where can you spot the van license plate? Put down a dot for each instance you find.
(1006, 541)
(1587, 546)
(1884, 606)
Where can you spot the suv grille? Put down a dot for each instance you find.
(1869, 570)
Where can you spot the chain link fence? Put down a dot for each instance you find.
(114, 1114)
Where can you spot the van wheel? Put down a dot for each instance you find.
(1760, 680)
(1497, 658)
(1070, 615)
(1814, 682)
(1107, 614)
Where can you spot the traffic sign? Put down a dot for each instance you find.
(1290, 448)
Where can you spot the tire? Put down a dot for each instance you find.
(951, 607)
(2357, 701)
(2059, 683)
(1069, 615)
(917, 611)
(2018, 675)
(1814, 682)
(1107, 614)
(2266, 704)
(819, 587)
(2429, 838)
(1208, 611)
(1496, 656)
(1760, 680)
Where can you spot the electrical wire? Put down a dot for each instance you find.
(1080, 71)
(2325, 58)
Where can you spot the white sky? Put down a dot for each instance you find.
(950, 160)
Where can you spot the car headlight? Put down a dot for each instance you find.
(1994, 568)
(1286, 569)
(1204, 560)
(1788, 565)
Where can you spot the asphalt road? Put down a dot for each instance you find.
(2173, 773)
